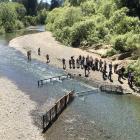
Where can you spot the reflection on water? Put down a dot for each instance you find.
(98, 116)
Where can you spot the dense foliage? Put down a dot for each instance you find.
(135, 67)
(30, 5)
(14, 16)
(11, 15)
(91, 22)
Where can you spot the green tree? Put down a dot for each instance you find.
(30, 5)
(54, 4)
(133, 6)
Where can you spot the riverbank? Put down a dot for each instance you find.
(48, 45)
(15, 119)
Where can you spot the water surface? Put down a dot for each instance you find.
(98, 116)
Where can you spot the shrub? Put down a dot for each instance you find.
(2, 30)
(111, 52)
(10, 14)
(80, 32)
(30, 20)
(19, 25)
(42, 16)
(136, 68)
(88, 8)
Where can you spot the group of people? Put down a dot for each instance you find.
(39, 53)
(89, 64)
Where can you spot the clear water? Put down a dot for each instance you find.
(98, 116)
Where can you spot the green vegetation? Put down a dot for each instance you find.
(14, 16)
(135, 67)
(91, 22)
(10, 16)
(87, 23)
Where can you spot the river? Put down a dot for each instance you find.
(98, 116)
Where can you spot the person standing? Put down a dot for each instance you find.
(29, 55)
(96, 64)
(123, 71)
(64, 63)
(110, 66)
(48, 58)
(70, 63)
(131, 79)
(85, 68)
(77, 63)
(82, 62)
(38, 51)
(73, 62)
(104, 71)
(115, 68)
(101, 65)
(119, 72)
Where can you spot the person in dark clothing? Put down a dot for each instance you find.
(104, 71)
(96, 64)
(73, 62)
(110, 75)
(110, 67)
(29, 55)
(70, 64)
(77, 63)
(48, 58)
(91, 61)
(123, 70)
(130, 79)
(80, 57)
(85, 68)
(64, 63)
(38, 51)
(119, 72)
(101, 65)
(129, 76)
(115, 68)
(82, 62)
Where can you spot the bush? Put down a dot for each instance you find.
(19, 25)
(135, 67)
(42, 16)
(65, 17)
(30, 20)
(119, 43)
(88, 8)
(92, 22)
(10, 14)
(80, 32)
(2, 30)
(111, 52)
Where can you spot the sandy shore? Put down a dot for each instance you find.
(57, 51)
(15, 119)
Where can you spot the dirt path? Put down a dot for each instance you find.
(57, 51)
(15, 119)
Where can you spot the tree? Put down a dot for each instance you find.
(8, 17)
(133, 6)
(54, 4)
(30, 5)
(4, 0)
(74, 2)
(43, 5)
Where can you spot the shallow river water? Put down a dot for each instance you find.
(97, 116)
